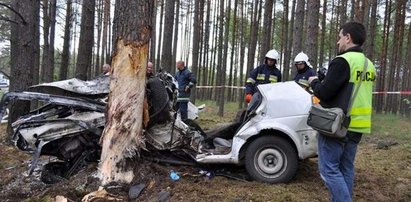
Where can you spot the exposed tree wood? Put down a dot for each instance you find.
(122, 136)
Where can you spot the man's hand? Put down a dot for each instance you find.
(187, 89)
(311, 79)
(248, 98)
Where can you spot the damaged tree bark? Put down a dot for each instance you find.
(122, 137)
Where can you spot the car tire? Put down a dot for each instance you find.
(271, 159)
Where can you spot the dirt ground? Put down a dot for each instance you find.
(383, 173)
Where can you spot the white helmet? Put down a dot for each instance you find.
(302, 57)
(273, 54)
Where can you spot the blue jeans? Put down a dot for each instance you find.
(336, 164)
(182, 107)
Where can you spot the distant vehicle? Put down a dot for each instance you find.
(269, 138)
(4, 80)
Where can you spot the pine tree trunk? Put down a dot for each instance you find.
(65, 56)
(298, 33)
(53, 14)
(196, 43)
(175, 39)
(266, 32)
(24, 54)
(97, 68)
(241, 102)
(406, 107)
(122, 136)
(166, 54)
(284, 43)
(206, 39)
(153, 40)
(45, 66)
(253, 38)
(372, 30)
(160, 40)
(85, 48)
(220, 65)
(311, 42)
(233, 48)
(323, 29)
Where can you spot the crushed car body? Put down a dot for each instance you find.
(269, 137)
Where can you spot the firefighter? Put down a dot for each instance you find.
(304, 68)
(263, 74)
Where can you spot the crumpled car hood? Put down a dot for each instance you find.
(98, 87)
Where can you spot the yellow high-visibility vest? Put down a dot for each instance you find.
(362, 106)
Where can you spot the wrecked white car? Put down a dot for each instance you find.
(269, 138)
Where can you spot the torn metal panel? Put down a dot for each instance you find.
(84, 103)
(98, 87)
(183, 136)
(56, 129)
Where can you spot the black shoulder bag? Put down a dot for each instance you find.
(333, 122)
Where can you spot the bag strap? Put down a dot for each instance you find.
(357, 87)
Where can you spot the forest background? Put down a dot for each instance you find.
(220, 40)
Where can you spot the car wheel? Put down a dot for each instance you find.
(271, 159)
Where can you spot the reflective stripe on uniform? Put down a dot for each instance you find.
(361, 111)
(250, 80)
(362, 123)
(180, 99)
(273, 79)
(261, 77)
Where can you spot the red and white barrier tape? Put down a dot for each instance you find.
(242, 87)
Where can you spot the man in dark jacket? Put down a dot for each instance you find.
(336, 156)
(263, 74)
(304, 69)
(186, 81)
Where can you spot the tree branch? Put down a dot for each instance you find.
(7, 19)
(12, 9)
